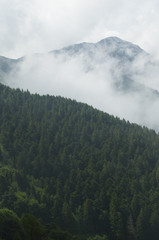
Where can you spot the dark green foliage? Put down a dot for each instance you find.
(10, 226)
(79, 168)
(28, 228)
(32, 226)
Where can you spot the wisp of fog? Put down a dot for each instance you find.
(119, 87)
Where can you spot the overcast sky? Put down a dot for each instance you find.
(29, 26)
(35, 26)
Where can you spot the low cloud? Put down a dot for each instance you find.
(97, 83)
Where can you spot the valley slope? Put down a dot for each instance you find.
(77, 167)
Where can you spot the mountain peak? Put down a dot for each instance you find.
(111, 39)
(112, 46)
(119, 42)
(119, 48)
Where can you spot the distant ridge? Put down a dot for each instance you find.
(111, 44)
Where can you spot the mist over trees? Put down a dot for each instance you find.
(113, 75)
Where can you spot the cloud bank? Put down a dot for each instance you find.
(95, 82)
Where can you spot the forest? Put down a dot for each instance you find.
(69, 171)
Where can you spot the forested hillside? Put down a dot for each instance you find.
(78, 168)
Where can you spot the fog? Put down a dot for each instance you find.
(95, 82)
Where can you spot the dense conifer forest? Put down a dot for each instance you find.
(69, 171)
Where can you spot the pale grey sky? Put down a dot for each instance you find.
(29, 26)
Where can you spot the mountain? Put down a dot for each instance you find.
(75, 167)
(7, 65)
(124, 56)
(112, 75)
(112, 46)
(93, 54)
